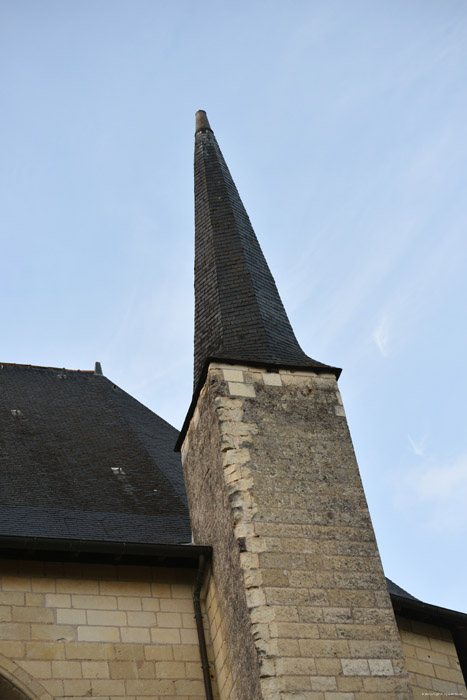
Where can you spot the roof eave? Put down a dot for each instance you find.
(425, 612)
(96, 551)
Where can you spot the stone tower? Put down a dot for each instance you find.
(297, 601)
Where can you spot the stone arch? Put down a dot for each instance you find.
(17, 684)
(8, 691)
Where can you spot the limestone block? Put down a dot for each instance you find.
(165, 636)
(98, 634)
(107, 617)
(129, 603)
(381, 667)
(16, 583)
(237, 389)
(188, 636)
(71, 617)
(95, 669)
(355, 667)
(58, 601)
(135, 635)
(349, 683)
(89, 651)
(66, 669)
(233, 375)
(37, 669)
(271, 378)
(11, 598)
(107, 687)
(89, 602)
(164, 653)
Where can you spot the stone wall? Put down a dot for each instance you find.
(116, 632)
(212, 521)
(219, 635)
(273, 485)
(431, 660)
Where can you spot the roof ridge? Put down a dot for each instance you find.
(59, 369)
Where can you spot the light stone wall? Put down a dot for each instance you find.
(300, 601)
(114, 632)
(219, 645)
(431, 659)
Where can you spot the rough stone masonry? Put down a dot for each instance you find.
(274, 487)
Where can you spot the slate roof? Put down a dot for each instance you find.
(81, 459)
(238, 311)
(394, 589)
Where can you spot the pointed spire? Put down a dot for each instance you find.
(239, 316)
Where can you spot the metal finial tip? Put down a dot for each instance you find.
(202, 122)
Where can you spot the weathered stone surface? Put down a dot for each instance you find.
(273, 486)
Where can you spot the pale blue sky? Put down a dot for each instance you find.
(344, 126)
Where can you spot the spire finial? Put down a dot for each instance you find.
(202, 121)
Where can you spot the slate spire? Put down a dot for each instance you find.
(239, 316)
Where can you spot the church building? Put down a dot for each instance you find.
(235, 560)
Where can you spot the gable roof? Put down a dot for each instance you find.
(81, 459)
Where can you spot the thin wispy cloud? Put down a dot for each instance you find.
(421, 291)
(380, 336)
(417, 446)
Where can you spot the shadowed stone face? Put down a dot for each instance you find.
(8, 691)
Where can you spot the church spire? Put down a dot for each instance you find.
(239, 316)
